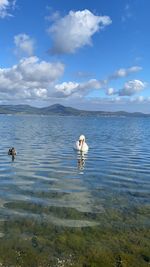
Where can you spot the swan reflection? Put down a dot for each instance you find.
(81, 158)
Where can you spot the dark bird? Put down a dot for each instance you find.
(12, 152)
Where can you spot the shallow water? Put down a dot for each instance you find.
(50, 182)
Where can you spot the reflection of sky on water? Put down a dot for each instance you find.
(47, 171)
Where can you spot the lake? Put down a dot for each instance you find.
(62, 208)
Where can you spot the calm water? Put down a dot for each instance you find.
(48, 179)
(118, 162)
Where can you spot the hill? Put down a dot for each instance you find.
(58, 109)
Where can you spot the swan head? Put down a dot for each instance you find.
(82, 138)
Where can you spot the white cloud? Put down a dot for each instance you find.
(110, 91)
(24, 44)
(29, 79)
(91, 84)
(75, 30)
(5, 7)
(132, 87)
(67, 89)
(33, 79)
(121, 73)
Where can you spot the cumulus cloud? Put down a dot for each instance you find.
(24, 44)
(5, 7)
(132, 87)
(33, 79)
(67, 89)
(29, 79)
(120, 73)
(75, 30)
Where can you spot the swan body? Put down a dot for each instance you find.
(81, 145)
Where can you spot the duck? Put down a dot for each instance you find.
(81, 145)
(12, 152)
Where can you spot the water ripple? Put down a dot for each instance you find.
(47, 172)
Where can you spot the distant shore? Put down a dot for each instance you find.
(58, 109)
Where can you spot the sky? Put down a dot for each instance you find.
(91, 55)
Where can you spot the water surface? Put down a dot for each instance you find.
(50, 184)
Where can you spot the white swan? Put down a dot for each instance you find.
(81, 145)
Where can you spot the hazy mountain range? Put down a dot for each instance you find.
(58, 109)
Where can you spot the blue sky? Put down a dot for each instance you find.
(85, 54)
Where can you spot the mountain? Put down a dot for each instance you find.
(58, 109)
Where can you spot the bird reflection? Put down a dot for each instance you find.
(81, 160)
